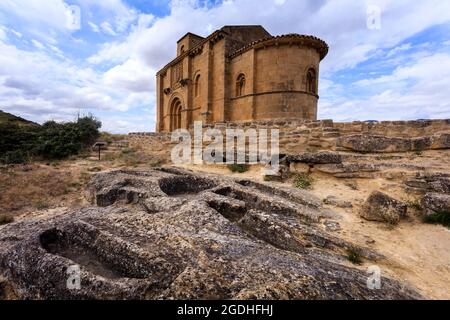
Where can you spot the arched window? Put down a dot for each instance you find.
(182, 50)
(197, 86)
(240, 85)
(311, 81)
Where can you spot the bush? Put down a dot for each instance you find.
(49, 141)
(5, 219)
(240, 168)
(14, 157)
(354, 257)
(303, 181)
(17, 143)
(442, 218)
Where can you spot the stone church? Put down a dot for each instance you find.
(239, 73)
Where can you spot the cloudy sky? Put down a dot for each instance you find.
(392, 65)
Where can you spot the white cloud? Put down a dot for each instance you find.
(94, 27)
(115, 13)
(107, 28)
(425, 69)
(398, 50)
(131, 75)
(49, 14)
(3, 35)
(57, 51)
(140, 123)
(280, 2)
(16, 33)
(419, 90)
(37, 44)
(57, 88)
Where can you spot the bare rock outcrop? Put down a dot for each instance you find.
(429, 182)
(336, 202)
(172, 234)
(321, 157)
(378, 143)
(436, 203)
(383, 208)
(332, 163)
(349, 170)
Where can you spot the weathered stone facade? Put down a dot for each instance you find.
(239, 73)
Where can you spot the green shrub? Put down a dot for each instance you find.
(4, 219)
(303, 181)
(354, 256)
(14, 157)
(17, 143)
(50, 141)
(442, 218)
(236, 167)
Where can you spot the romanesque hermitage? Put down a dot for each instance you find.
(239, 73)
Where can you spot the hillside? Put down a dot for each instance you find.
(6, 117)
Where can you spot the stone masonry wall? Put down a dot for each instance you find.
(296, 136)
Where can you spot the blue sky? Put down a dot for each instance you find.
(54, 65)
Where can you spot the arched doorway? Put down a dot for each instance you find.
(175, 115)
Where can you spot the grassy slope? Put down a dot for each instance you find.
(10, 118)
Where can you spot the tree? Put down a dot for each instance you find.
(52, 140)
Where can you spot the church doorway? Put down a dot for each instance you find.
(175, 112)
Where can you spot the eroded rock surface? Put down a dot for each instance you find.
(436, 203)
(429, 182)
(171, 234)
(378, 143)
(322, 157)
(334, 201)
(383, 208)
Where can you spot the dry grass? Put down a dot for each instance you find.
(36, 187)
(42, 186)
(7, 291)
(132, 157)
(109, 137)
